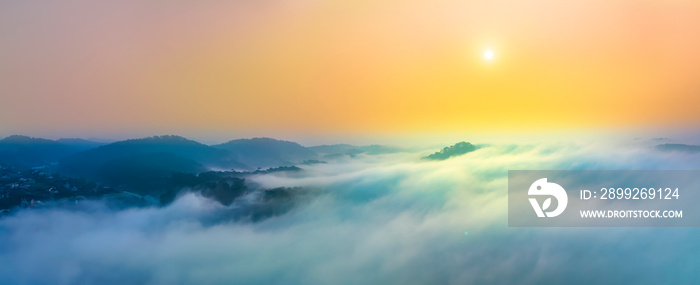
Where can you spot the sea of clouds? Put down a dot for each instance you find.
(369, 219)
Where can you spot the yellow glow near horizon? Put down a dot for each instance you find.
(340, 67)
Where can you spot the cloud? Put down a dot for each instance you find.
(373, 219)
(679, 147)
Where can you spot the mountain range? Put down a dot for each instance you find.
(26, 151)
(153, 156)
(148, 159)
(266, 152)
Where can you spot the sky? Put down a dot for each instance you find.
(226, 69)
(318, 71)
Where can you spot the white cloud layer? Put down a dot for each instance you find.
(388, 219)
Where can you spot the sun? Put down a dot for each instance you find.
(488, 55)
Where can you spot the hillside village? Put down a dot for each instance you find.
(37, 186)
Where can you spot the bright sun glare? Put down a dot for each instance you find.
(488, 54)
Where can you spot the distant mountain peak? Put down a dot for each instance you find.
(267, 152)
(260, 140)
(13, 137)
(457, 149)
(28, 151)
(165, 140)
(175, 149)
(23, 139)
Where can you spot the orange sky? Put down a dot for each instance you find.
(346, 67)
